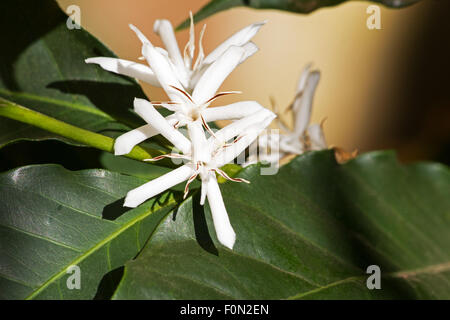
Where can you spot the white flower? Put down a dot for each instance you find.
(304, 136)
(190, 107)
(205, 157)
(187, 73)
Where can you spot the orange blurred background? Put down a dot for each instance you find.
(379, 88)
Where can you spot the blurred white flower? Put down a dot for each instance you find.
(304, 136)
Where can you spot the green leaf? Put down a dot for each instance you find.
(298, 6)
(52, 218)
(42, 68)
(309, 232)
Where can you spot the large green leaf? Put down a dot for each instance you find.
(298, 6)
(52, 218)
(42, 68)
(308, 232)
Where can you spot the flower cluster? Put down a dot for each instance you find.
(304, 136)
(191, 88)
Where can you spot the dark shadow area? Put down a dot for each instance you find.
(114, 210)
(201, 227)
(109, 283)
(22, 13)
(116, 99)
(50, 151)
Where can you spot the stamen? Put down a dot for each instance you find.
(201, 54)
(186, 188)
(169, 155)
(224, 175)
(207, 127)
(238, 138)
(183, 92)
(160, 103)
(220, 94)
(226, 145)
(189, 56)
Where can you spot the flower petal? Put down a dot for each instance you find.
(224, 230)
(303, 78)
(240, 38)
(303, 112)
(261, 119)
(250, 49)
(164, 29)
(128, 68)
(146, 110)
(150, 189)
(197, 136)
(317, 138)
(232, 111)
(190, 45)
(164, 72)
(139, 34)
(216, 73)
(126, 142)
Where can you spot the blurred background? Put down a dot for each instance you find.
(380, 89)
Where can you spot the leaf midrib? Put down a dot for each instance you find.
(100, 244)
(405, 274)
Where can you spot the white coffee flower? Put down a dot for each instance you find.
(304, 136)
(187, 73)
(188, 107)
(204, 156)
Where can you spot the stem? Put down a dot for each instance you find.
(17, 112)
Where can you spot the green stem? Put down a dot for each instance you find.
(17, 112)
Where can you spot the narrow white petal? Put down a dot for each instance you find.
(261, 119)
(146, 110)
(232, 111)
(249, 135)
(164, 29)
(240, 38)
(164, 72)
(303, 78)
(228, 154)
(126, 142)
(317, 138)
(150, 189)
(204, 188)
(224, 230)
(216, 73)
(303, 113)
(128, 68)
(140, 35)
(291, 144)
(199, 143)
(250, 49)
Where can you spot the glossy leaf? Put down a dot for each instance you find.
(42, 68)
(309, 232)
(297, 6)
(52, 218)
